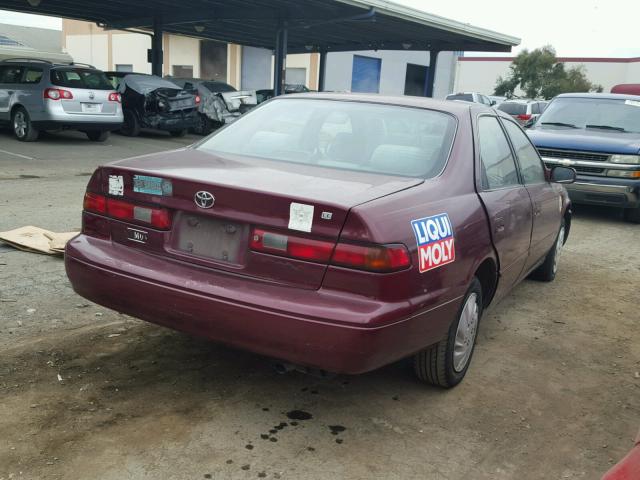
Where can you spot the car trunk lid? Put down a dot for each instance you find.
(298, 201)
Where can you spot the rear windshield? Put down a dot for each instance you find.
(512, 108)
(345, 135)
(467, 97)
(80, 78)
(216, 87)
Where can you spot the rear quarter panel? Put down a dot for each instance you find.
(388, 220)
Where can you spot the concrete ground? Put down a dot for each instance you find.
(553, 391)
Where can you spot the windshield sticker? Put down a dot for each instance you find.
(300, 217)
(152, 185)
(436, 243)
(633, 103)
(116, 185)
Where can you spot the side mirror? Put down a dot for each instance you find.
(563, 175)
(493, 103)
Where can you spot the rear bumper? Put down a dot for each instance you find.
(171, 121)
(605, 191)
(330, 330)
(84, 125)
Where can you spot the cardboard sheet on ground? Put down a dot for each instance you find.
(37, 240)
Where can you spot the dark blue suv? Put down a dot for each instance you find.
(599, 136)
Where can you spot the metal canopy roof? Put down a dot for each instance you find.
(313, 25)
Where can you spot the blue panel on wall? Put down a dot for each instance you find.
(366, 74)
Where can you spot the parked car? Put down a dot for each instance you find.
(269, 93)
(471, 97)
(523, 110)
(496, 99)
(221, 103)
(629, 467)
(38, 95)
(627, 88)
(149, 101)
(339, 249)
(599, 136)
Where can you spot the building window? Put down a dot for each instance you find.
(296, 76)
(366, 74)
(415, 82)
(182, 71)
(124, 67)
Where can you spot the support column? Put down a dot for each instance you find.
(431, 74)
(280, 63)
(156, 47)
(322, 70)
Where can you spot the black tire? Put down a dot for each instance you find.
(547, 271)
(97, 135)
(131, 125)
(435, 364)
(178, 133)
(22, 126)
(632, 215)
(203, 125)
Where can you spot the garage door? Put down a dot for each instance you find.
(366, 74)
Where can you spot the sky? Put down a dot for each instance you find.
(576, 28)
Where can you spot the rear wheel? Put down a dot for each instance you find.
(178, 133)
(131, 125)
(23, 128)
(97, 135)
(203, 125)
(632, 215)
(547, 271)
(445, 363)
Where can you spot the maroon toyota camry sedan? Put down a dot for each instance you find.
(335, 232)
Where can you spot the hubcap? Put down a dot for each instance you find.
(559, 244)
(466, 333)
(20, 124)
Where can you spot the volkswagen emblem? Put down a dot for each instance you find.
(204, 199)
(92, 95)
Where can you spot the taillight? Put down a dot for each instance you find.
(198, 99)
(115, 97)
(291, 246)
(375, 258)
(123, 210)
(95, 203)
(57, 94)
(523, 117)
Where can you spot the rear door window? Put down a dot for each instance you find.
(33, 75)
(11, 74)
(80, 78)
(530, 163)
(535, 108)
(497, 162)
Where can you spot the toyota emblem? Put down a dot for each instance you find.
(92, 95)
(204, 199)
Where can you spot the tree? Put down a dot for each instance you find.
(539, 75)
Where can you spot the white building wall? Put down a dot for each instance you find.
(393, 70)
(91, 49)
(482, 76)
(184, 51)
(131, 49)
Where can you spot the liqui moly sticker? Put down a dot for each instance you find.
(436, 243)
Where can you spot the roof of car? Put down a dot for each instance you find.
(405, 101)
(605, 96)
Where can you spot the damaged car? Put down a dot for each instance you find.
(220, 102)
(152, 102)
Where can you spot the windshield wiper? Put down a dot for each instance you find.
(559, 124)
(607, 127)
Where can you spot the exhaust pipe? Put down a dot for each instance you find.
(283, 368)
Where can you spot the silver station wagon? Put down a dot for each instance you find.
(37, 95)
